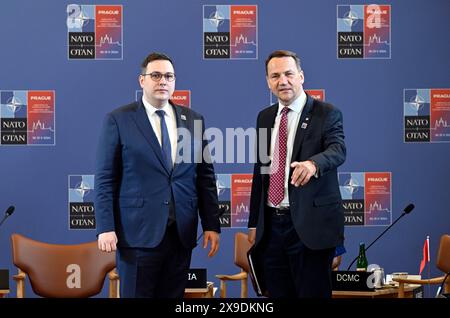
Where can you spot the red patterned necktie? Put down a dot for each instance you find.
(277, 176)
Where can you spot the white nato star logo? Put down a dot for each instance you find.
(220, 187)
(350, 18)
(83, 189)
(14, 104)
(81, 20)
(417, 102)
(351, 186)
(216, 19)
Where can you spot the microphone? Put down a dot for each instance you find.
(8, 212)
(441, 288)
(406, 210)
(221, 212)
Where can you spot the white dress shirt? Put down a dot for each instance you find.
(294, 114)
(171, 123)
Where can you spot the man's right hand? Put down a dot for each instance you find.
(251, 236)
(107, 241)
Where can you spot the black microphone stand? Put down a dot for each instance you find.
(442, 288)
(402, 215)
(4, 218)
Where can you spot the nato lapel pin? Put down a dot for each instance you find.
(183, 117)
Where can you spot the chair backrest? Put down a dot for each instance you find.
(443, 257)
(241, 247)
(54, 269)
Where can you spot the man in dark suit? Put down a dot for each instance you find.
(152, 182)
(296, 218)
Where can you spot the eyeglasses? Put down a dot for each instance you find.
(156, 76)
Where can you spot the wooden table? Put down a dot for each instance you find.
(3, 292)
(207, 292)
(385, 292)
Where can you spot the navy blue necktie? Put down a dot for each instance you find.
(165, 140)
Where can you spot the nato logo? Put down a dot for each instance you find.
(13, 114)
(416, 110)
(27, 117)
(81, 202)
(223, 185)
(364, 31)
(426, 115)
(350, 26)
(367, 198)
(230, 32)
(94, 31)
(216, 32)
(351, 185)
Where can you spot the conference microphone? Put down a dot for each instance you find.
(440, 292)
(406, 210)
(221, 212)
(8, 212)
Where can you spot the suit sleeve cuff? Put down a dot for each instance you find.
(316, 175)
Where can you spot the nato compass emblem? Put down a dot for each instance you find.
(81, 202)
(221, 187)
(351, 186)
(417, 103)
(81, 20)
(350, 18)
(216, 19)
(83, 189)
(14, 104)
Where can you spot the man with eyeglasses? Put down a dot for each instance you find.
(296, 217)
(148, 201)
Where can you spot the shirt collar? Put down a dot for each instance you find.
(150, 109)
(297, 105)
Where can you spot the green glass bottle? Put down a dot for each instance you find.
(361, 264)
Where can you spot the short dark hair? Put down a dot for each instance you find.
(284, 53)
(154, 56)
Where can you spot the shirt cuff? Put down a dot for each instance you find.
(317, 168)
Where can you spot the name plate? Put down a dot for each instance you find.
(353, 280)
(4, 278)
(196, 278)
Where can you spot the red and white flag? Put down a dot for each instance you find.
(426, 254)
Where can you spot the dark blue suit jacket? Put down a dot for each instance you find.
(316, 208)
(133, 186)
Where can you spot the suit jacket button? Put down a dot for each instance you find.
(166, 202)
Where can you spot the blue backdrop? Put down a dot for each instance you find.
(229, 93)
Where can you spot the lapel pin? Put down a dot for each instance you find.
(307, 118)
(304, 125)
(183, 117)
